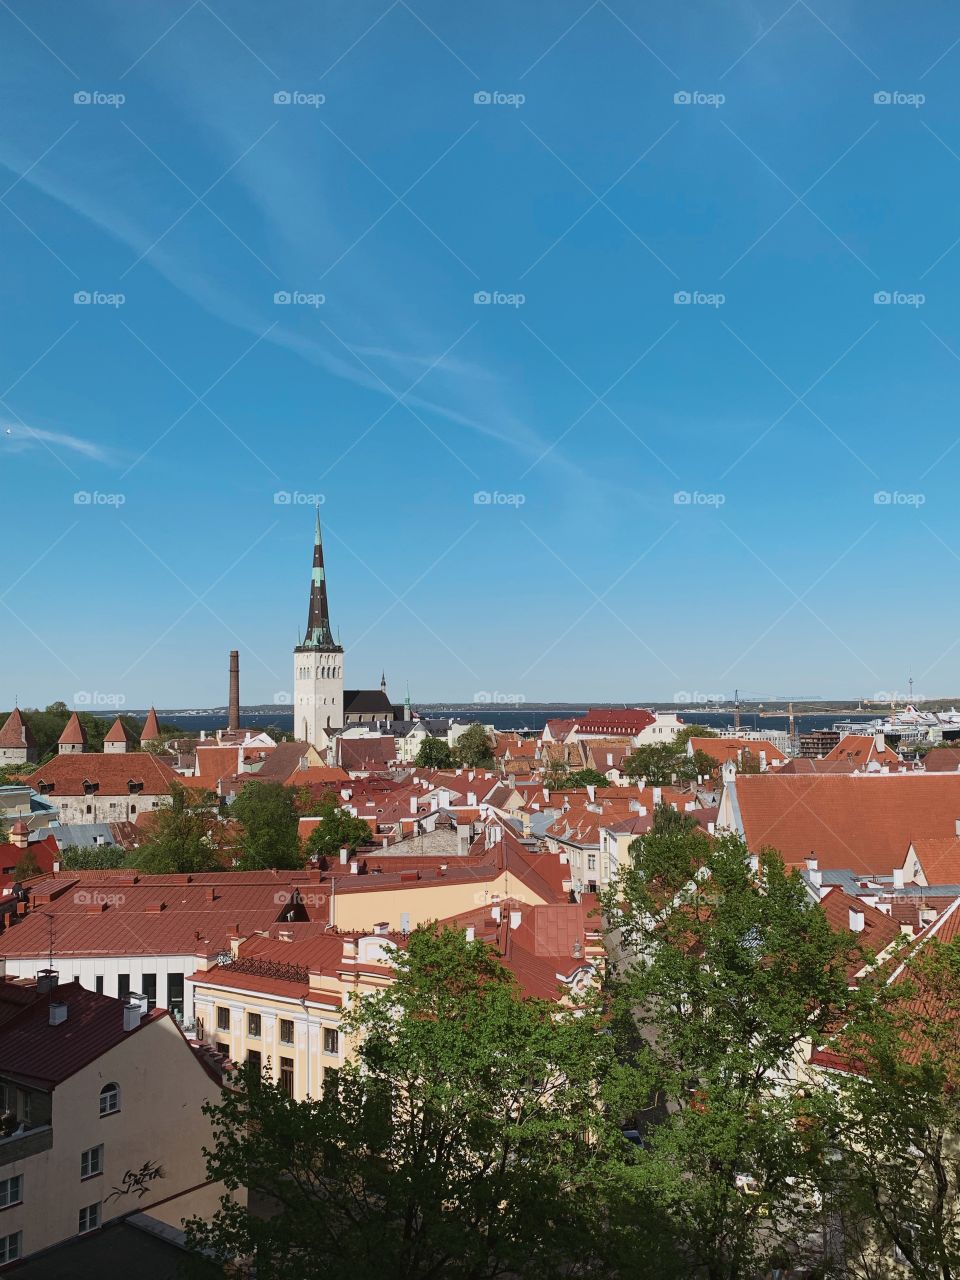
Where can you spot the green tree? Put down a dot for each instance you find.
(472, 749)
(662, 763)
(337, 830)
(183, 837)
(455, 1145)
(586, 778)
(893, 1122)
(267, 813)
(27, 866)
(104, 857)
(689, 731)
(725, 972)
(434, 753)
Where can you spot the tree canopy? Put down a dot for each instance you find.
(434, 753)
(337, 830)
(183, 837)
(269, 837)
(473, 749)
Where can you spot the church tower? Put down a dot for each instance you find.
(317, 663)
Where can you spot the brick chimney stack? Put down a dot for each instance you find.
(234, 716)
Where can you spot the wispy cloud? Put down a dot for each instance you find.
(17, 438)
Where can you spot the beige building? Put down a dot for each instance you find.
(89, 786)
(102, 1115)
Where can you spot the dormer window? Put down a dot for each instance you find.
(89, 787)
(134, 787)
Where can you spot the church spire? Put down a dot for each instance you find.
(319, 635)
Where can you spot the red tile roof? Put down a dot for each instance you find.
(942, 760)
(861, 750)
(723, 749)
(16, 732)
(151, 727)
(118, 732)
(65, 775)
(861, 822)
(74, 734)
(30, 1047)
(601, 720)
(879, 929)
(940, 858)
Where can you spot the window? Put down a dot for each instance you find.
(89, 1218)
(331, 1040)
(109, 1099)
(11, 1191)
(10, 1247)
(223, 1018)
(175, 995)
(286, 1076)
(123, 985)
(98, 984)
(91, 1162)
(286, 1031)
(223, 1048)
(253, 1025)
(148, 985)
(591, 862)
(254, 1060)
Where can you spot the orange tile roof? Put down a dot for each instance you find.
(861, 750)
(724, 749)
(940, 858)
(74, 734)
(16, 732)
(65, 775)
(861, 822)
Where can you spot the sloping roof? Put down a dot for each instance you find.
(366, 753)
(942, 760)
(367, 702)
(723, 749)
(74, 734)
(118, 732)
(151, 727)
(879, 929)
(602, 720)
(940, 858)
(65, 775)
(94, 1024)
(286, 758)
(864, 822)
(861, 750)
(16, 732)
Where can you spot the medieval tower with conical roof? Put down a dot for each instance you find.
(317, 663)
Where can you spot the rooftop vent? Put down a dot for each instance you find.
(58, 1012)
(132, 1014)
(381, 928)
(47, 980)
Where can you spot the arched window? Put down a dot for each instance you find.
(109, 1099)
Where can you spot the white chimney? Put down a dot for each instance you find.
(354, 868)
(657, 796)
(131, 1015)
(898, 878)
(856, 921)
(470, 932)
(344, 857)
(495, 912)
(514, 919)
(878, 742)
(58, 1013)
(816, 878)
(591, 792)
(381, 927)
(811, 864)
(956, 825)
(413, 804)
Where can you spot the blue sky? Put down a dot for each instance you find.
(782, 407)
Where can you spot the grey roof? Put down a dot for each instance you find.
(84, 835)
(366, 702)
